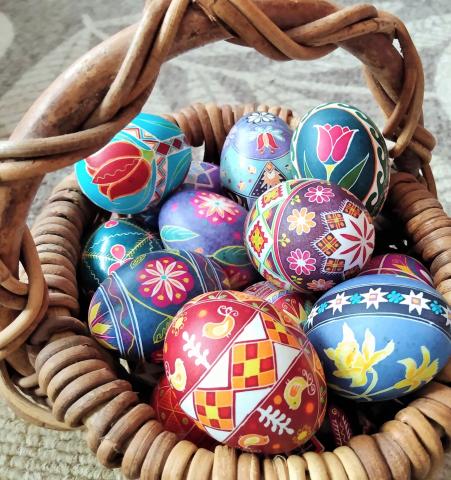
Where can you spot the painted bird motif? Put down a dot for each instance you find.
(215, 330)
(178, 378)
(293, 392)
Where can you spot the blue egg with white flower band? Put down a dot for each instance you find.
(380, 337)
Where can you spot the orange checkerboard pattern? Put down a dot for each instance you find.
(214, 408)
(253, 365)
(278, 333)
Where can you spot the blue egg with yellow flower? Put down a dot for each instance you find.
(380, 336)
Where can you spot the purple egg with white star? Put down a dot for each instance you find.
(211, 224)
(202, 176)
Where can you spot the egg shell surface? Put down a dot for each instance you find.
(397, 264)
(174, 419)
(380, 336)
(202, 176)
(256, 156)
(133, 307)
(111, 245)
(308, 235)
(211, 224)
(294, 305)
(237, 370)
(339, 143)
(138, 168)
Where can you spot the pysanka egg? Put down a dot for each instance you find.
(380, 336)
(339, 143)
(398, 264)
(113, 244)
(239, 372)
(202, 176)
(210, 224)
(308, 235)
(132, 308)
(174, 419)
(138, 168)
(256, 156)
(294, 305)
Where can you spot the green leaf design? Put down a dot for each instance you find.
(232, 256)
(307, 172)
(161, 329)
(348, 179)
(174, 233)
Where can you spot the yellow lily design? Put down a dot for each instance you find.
(355, 364)
(416, 375)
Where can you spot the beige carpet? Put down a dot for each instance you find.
(38, 39)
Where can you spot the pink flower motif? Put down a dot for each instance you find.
(320, 285)
(118, 252)
(215, 208)
(301, 262)
(166, 280)
(319, 194)
(333, 142)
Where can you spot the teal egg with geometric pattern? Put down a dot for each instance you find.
(381, 336)
(341, 144)
(113, 244)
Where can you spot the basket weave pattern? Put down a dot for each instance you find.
(45, 351)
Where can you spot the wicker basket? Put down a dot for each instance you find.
(54, 375)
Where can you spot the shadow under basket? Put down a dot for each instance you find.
(54, 375)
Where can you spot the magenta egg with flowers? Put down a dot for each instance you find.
(309, 235)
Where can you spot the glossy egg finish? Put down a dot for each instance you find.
(210, 224)
(295, 306)
(132, 308)
(380, 336)
(248, 380)
(341, 144)
(138, 168)
(174, 419)
(203, 176)
(113, 244)
(397, 264)
(308, 235)
(256, 156)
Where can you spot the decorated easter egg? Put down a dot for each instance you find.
(210, 224)
(113, 244)
(308, 235)
(132, 308)
(341, 144)
(256, 156)
(295, 306)
(138, 168)
(239, 372)
(380, 336)
(397, 264)
(202, 176)
(173, 418)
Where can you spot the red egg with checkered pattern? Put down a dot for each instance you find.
(174, 419)
(247, 379)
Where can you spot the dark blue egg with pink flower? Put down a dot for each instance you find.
(211, 224)
(132, 309)
(113, 244)
(341, 144)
